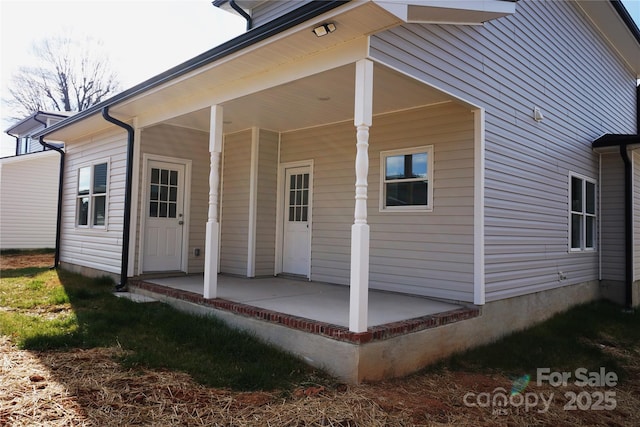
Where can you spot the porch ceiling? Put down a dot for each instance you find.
(326, 97)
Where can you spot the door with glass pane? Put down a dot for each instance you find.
(164, 221)
(297, 234)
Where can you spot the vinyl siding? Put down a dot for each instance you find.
(34, 146)
(97, 248)
(29, 200)
(271, 10)
(612, 217)
(636, 214)
(187, 144)
(235, 203)
(266, 203)
(423, 253)
(507, 67)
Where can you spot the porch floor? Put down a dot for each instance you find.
(320, 302)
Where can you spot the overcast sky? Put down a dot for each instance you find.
(143, 37)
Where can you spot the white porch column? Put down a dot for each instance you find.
(213, 229)
(359, 283)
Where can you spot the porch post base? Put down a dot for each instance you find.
(359, 284)
(211, 260)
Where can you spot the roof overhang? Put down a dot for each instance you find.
(34, 121)
(459, 12)
(611, 143)
(614, 22)
(244, 4)
(279, 53)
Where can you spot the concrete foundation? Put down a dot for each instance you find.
(399, 355)
(88, 271)
(615, 290)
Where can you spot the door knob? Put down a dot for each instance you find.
(180, 222)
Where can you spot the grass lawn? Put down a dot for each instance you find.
(44, 309)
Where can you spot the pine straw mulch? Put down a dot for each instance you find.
(90, 388)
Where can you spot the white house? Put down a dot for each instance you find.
(469, 154)
(29, 187)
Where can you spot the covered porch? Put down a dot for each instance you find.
(327, 114)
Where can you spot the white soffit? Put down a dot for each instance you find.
(461, 12)
(611, 25)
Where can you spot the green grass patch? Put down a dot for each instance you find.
(575, 339)
(46, 310)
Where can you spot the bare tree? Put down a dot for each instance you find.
(71, 75)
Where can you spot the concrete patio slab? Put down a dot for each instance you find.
(316, 301)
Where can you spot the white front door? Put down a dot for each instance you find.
(296, 239)
(164, 210)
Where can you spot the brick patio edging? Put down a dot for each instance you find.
(374, 333)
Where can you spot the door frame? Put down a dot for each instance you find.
(280, 199)
(146, 158)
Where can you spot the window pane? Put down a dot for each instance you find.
(100, 178)
(406, 166)
(83, 211)
(155, 176)
(419, 165)
(590, 196)
(84, 178)
(155, 192)
(292, 214)
(406, 193)
(306, 180)
(305, 197)
(292, 197)
(576, 194)
(299, 181)
(173, 194)
(163, 210)
(292, 183)
(99, 210)
(394, 167)
(576, 231)
(164, 193)
(590, 232)
(299, 197)
(173, 178)
(298, 213)
(164, 176)
(172, 210)
(153, 209)
(305, 212)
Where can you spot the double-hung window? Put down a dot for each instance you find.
(91, 208)
(582, 215)
(407, 179)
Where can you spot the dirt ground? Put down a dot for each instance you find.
(89, 388)
(24, 261)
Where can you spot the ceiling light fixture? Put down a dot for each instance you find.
(324, 29)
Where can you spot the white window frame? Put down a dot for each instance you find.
(92, 196)
(428, 149)
(583, 212)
